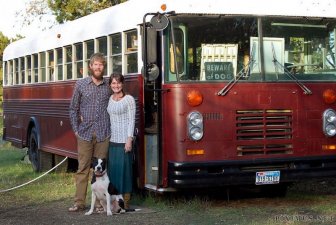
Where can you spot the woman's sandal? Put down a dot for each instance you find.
(76, 208)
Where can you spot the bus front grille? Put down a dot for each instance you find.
(264, 132)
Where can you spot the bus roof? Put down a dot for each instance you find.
(127, 15)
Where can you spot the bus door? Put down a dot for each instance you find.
(152, 94)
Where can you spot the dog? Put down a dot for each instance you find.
(103, 190)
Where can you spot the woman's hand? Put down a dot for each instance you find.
(128, 144)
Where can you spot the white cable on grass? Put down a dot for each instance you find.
(10, 189)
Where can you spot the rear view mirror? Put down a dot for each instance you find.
(159, 22)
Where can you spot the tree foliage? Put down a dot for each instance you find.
(66, 10)
(42, 12)
(4, 41)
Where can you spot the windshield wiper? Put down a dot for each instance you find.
(305, 89)
(240, 74)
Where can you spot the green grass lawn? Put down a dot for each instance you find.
(14, 171)
(306, 203)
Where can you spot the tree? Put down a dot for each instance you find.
(63, 10)
(73, 9)
(4, 41)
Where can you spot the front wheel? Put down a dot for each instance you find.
(40, 160)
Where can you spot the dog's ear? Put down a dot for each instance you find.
(93, 160)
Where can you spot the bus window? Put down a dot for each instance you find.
(221, 51)
(308, 49)
(179, 42)
(29, 72)
(102, 45)
(68, 62)
(22, 70)
(79, 60)
(115, 57)
(131, 55)
(42, 71)
(89, 51)
(59, 63)
(51, 65)
(10, 72)
(16, 71)
(35, 68)
(5, 78)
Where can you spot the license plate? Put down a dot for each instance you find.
(267, 177)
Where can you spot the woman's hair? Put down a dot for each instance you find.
(119, 78)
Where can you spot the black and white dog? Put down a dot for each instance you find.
(103, 190)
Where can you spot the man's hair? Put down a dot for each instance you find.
(97, 57)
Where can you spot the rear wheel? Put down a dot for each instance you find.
(40, 160)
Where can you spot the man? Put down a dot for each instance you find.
(90, 122)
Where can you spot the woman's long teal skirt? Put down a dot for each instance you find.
(120, 168)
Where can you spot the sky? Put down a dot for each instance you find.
(10, 25)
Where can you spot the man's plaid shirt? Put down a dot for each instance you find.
(88, 109)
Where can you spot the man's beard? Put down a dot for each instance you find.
(98, 74)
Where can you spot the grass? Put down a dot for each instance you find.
(15, 172)
(306, 203)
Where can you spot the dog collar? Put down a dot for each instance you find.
(100, 175)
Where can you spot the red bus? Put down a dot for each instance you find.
(228, 93)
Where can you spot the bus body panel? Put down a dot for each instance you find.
(254, 122)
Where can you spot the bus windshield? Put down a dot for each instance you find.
(224, 48)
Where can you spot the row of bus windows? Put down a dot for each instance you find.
(72, 61)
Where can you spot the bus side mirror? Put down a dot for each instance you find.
(151, 53)
(159, 22)
(153, 72)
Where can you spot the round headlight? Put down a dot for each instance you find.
(195, 118)
(196, 133)
(330, 116)
(331, 130)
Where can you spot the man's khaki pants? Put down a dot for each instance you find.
(87, 149)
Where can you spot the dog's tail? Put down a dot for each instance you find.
(132, 210)
(122, 206)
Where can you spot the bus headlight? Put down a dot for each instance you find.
(329, 122)
(330, 116)
(195, 118)
(195, 125)
(331, 130)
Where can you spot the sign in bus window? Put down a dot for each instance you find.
(218, 70)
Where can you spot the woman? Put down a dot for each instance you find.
(121, 108)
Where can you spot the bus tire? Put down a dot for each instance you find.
(40, 160)
(63, 167)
